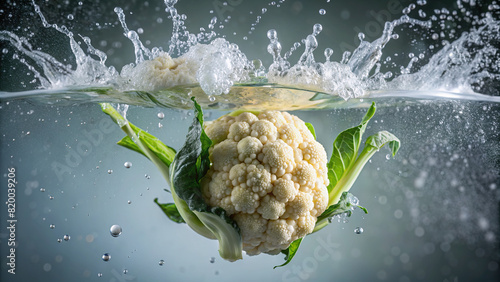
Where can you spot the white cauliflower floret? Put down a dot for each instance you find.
(259, 180)
(285, 190)
(270, 176)
(271, 208)
(244, 199)
(224, 155)
(218, 131)
(238, 130)
(248, 149)
(265, 131)
(279, 156)
(161, 73)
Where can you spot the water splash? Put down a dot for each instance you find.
(460, 66)
(349, 78)
(465, 65)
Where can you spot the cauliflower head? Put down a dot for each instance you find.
(269, 174)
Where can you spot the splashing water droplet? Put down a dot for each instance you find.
(125, 271)
(42, 189)
(59, 240)
(272, 34)
(52, 226)
(161, 262)
(51, 197)
(358, 230)
(127, 164)
(213, 21)
(99, 274)
(115, 230)
(317, 28)
(110, 171)
(328, 53)
(353, 200)
(161, 115)
(66, 237)
(106, 257)
(70, 17)
(322, 12)
(264, 10)
(5, 50)
(129, 202)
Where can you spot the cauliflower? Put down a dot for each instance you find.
(215, 67)
(269, 174)
(162, 72)
(256, 181)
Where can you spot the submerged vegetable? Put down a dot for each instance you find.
(257, 181)
(270, 176)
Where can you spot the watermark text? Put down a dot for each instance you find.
(11, 221)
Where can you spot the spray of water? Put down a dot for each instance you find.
(216, 64)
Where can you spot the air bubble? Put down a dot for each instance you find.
(127, 164)
(161, 262)
(161, 115)
(42, 189)
(358, 230)
(322, 12)
(70, 17)
(106, 257)
(66, 237)
(115, 230)
(52, 226)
